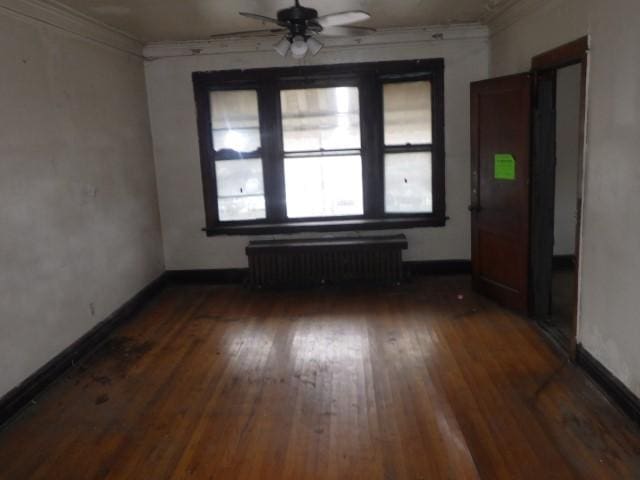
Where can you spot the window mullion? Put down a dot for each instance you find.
(372, 148)
(407, 148)
(324, 153)
(272, 157)
(438, 151)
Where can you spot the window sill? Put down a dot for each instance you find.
(326, 226)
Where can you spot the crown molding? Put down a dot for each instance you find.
(58, 16)
(511, 12)
(384, 37)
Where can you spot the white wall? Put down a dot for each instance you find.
(610, 281)
(79, 224)
(173, 120)
(569, 80)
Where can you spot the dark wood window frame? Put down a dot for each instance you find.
(369, 78)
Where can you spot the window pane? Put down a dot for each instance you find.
(234, 120)
(323, 186)
(240, 189)
(407, 183)
(407, 113)
(320, 118)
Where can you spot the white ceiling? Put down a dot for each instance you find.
(180, 20)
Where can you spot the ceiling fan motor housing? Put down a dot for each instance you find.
(298, 19)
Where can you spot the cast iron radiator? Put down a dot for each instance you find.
(314, 261)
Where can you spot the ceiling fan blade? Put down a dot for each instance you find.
(347, 31)
(261, 18)
(314, 27)
(343, 18)
(244, 33)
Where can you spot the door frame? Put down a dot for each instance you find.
(573, 53)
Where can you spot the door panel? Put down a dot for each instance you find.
(490, 242)
(500, 132)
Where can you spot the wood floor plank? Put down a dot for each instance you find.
(426, 380)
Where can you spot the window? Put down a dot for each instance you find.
(322, 148)
(235, 128)
(408, 139)
(322, 152)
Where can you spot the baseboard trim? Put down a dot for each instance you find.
(220, 276)
(438, 267)
(239, 275)
(624, 398)
(16, 399)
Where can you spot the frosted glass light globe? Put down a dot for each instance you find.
(299, 47)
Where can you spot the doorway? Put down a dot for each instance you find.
(527, 151)
(567, 174)
(557, 165)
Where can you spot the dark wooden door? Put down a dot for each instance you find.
(500, 163)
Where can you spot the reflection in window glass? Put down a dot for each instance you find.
(240, 189)
(323, 186)
(235, 121)
(320, 118)
(407, 113)
(407, 183)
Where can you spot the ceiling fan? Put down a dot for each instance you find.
(301, 25)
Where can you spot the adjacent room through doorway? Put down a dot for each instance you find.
(567, 175)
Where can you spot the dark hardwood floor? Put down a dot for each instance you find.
(422, 381)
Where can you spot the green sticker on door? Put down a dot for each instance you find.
(504, 166)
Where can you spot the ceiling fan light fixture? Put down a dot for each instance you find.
(299, 47)
(301, 25)
(282, 47)
(314, 45)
